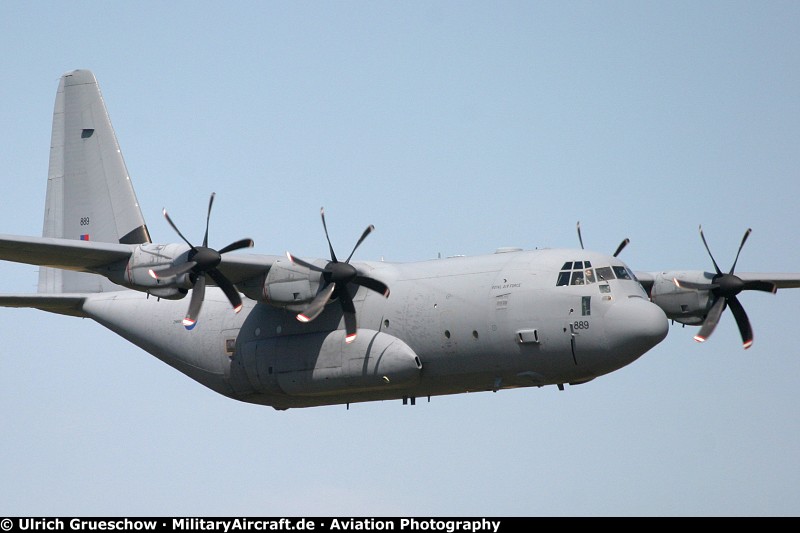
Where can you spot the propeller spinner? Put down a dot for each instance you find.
(724, 288)
(337, 275)
(203, 261)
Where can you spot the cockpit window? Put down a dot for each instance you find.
(582, 273)
(576, 273)
(622, 272)
(604, 273)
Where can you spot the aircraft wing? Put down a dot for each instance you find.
(240, 267)
(84, 256)
(780, 279)
(646, 279)
(68, 254)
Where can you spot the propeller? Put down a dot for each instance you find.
(724, 288)
(203, 261)
(621, 246)
(337, 275)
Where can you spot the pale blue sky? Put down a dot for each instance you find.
(455, 128)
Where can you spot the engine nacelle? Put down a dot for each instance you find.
(687, 306)
(288, 284)
(136, 273)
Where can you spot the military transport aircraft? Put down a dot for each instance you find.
(312, 332)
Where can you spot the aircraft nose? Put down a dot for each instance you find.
(634, 326)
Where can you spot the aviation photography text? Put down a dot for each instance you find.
(230, 525)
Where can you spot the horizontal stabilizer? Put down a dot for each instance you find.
(62, 304)
(61, 253)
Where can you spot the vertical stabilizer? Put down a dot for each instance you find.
(89, 192)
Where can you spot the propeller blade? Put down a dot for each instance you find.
(367, 231)
(208, 218)
(742, 321)
(373, 284)
(746, 235)
(621, 246)
(339, 277)
(712, 319)
(692, 285)
(198, 293)
(325, 227)
(298, 261)
(709, 251)
(228, 288)
(317, 304)
(174, 270)
(238, 245)
(202, 261)
(580, 238)
(349, 313)
(171, 223)
(350, 327)
(764, 286)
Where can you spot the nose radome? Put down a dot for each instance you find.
(634, 326)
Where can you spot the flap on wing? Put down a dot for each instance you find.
(61, 253)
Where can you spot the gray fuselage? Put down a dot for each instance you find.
(451, 325)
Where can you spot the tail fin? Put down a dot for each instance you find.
(89, 191)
